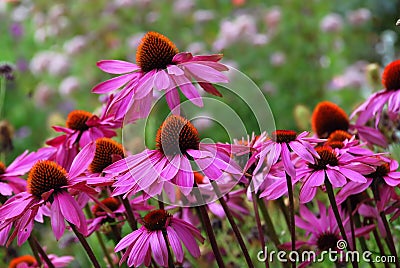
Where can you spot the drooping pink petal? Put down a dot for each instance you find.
(113, 83)
(187, 239)
(205, 73)
(188, 90)
(128, 240)
(116, 66)
(158, 248)
(57, 219)
(175, 243)
(71, 211)
(287, 162)
(173, 100)
(82, 160)
(185, 176)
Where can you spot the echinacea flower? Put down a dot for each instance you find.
(50, 185)
(10, 176)
(83, 127)
(28, 261)
(389, 96)
(150, 240)
(328, 117)
(323, 231)
(385, 175)
(177, 141)
(159, 65)
(337, 168)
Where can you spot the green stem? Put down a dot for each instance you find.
(208, 228)
(235, 228)
(351, 222)
(129, 213)
(2, 94)
(35, 252)
(268, 222)
(43, 253)
(283, 208)
(86, 246)
(170, 258)
(291, 212)
(332, 200)
(259, 225)
(389, 238)
(380, 245)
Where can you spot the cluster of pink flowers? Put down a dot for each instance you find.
(85, 168)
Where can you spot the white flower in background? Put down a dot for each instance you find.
(183, 6)
(75, 45)
(69, 85)
(196, 48)
(277, 58)
(43, 95)
(40, 61)
(203, 15)
(332, 22)
(272, 18)
(359, 16)
(242, 28)
(59, 64)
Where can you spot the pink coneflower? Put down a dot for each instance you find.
(177, 141)
(389, 96)
(328, 117)
(28, 261)
(385, 175)
(337, 168)
(48, 184)
(160, 66)
(10, 180)
(150, 240)
(324, 230)
(83, 127)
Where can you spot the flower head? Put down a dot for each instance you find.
(159, 66)
(328, 117)
(10, 176)
(48, 185)
(177, 143)
(336, 166)
(150, 240)
(389, 96)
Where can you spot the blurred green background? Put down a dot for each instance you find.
(298, 53)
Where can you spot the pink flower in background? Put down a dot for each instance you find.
(389, 96)
(159, 66)
(47, 182)
(10, 176)
(177, 141)
(385, 175)
(83, 127)
(149, 241)
(323, 231)
(28, 261)
(337, 168)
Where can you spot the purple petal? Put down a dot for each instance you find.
(175, 243)
(71, 211)
(57, 219)
(116, 66)
(113, 83)
(128, 240)
(205, 73)
(158, 248)
(82, 160)
(187, 238)
(185, 176)
(162, 80)
(173, 100)
(188, 90)
(287, 162)
(352, 175)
